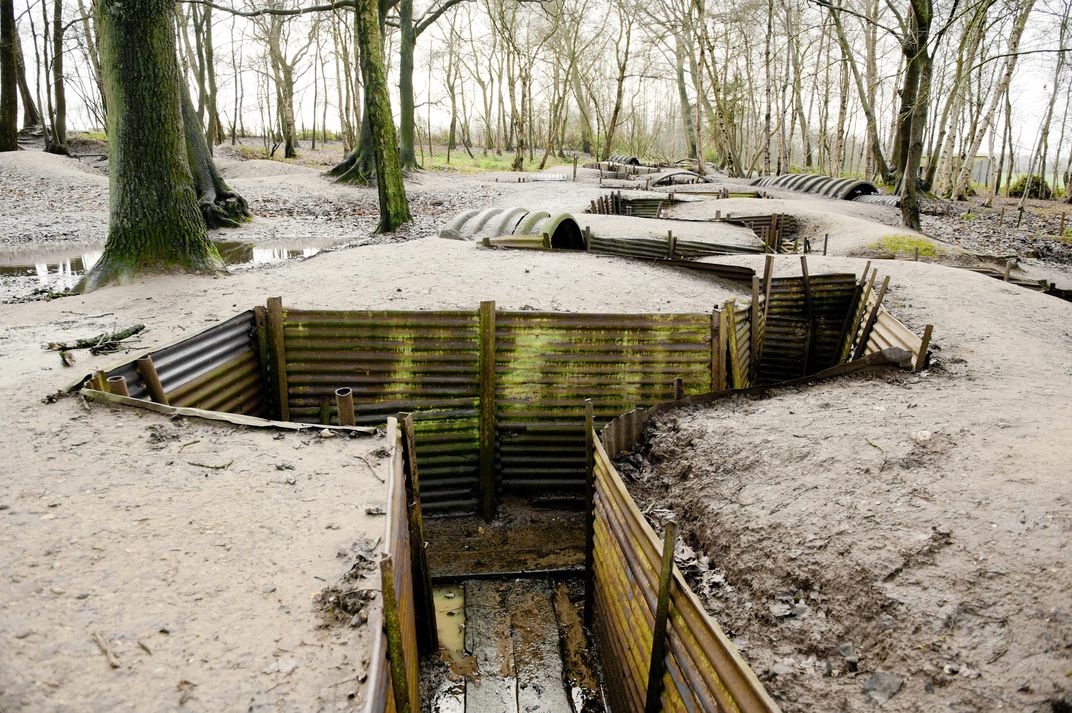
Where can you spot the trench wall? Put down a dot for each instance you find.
(218, 369)
(702, 671)
(497, 396)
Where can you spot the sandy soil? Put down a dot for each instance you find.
(228, 561)
(915, 526)
(993, 473)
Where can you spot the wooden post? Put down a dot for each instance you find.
(487, 411)
(1001, 218)
(587, 235)
(753, 362)
(679, 388)
(1008, 269)
(925, 342)
(670, 244)
(657, 662)
(147, 370)
(730, 321)
(344, 406)
(423, 599)
(1061, 227)
(276, 318)
(574, 167)
(826, 241)
(810, 307)
(866, 334)
(589, 515)
(915, 253)
(392, 627)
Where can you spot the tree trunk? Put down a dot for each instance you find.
(154, 223)
(9, 90)
(961, 184)
(58, 142)
(220, 206)
(31, 117)
(394, 206)
(406, 45)
(921, 64)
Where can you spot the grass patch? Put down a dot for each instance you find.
(460, 161)
(899, 244)
(91, 135)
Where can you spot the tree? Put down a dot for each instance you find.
(9, 106)
(154, 221)
(394, 206)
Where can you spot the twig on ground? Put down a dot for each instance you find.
(99, 640)
(225, 466)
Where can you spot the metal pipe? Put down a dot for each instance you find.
(118, 385)
(147, 370)
(344, 404)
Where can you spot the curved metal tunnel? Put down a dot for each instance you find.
(475, 224)
(841, 188)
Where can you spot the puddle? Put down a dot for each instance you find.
(22, 272)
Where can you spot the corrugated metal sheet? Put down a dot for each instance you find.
(547, 363)
(842, 188)
(703, 671)
(888, 331)
(217, 369)
(787, 351)
(424, 362)
(660, 249)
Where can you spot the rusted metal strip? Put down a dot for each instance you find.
(488, 496)
(657, 664)
(427, 634)
(589, 514)
(276, 318)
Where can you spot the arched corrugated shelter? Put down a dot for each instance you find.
(624, 159)
(842, 188)
(562, 228)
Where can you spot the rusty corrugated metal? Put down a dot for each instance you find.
(840, 188)
(423, 362)
(660, 248)
(216, 369)
(703, 671)
(786, 350)
(548, 363)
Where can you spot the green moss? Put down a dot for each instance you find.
(900, 244)
(460, 161)
(92, 135)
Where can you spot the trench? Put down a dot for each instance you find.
(540, 584)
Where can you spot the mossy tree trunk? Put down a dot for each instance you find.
(394, 206)
(9, 103)
(407, 45)
(155, 224)
(221, 206)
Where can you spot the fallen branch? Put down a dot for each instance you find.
(99, 344)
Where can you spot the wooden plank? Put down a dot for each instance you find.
(487, 494)
(487, 638)
(536, 650)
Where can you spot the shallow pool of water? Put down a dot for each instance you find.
(22, 272)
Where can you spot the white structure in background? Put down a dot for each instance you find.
(68, 270)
